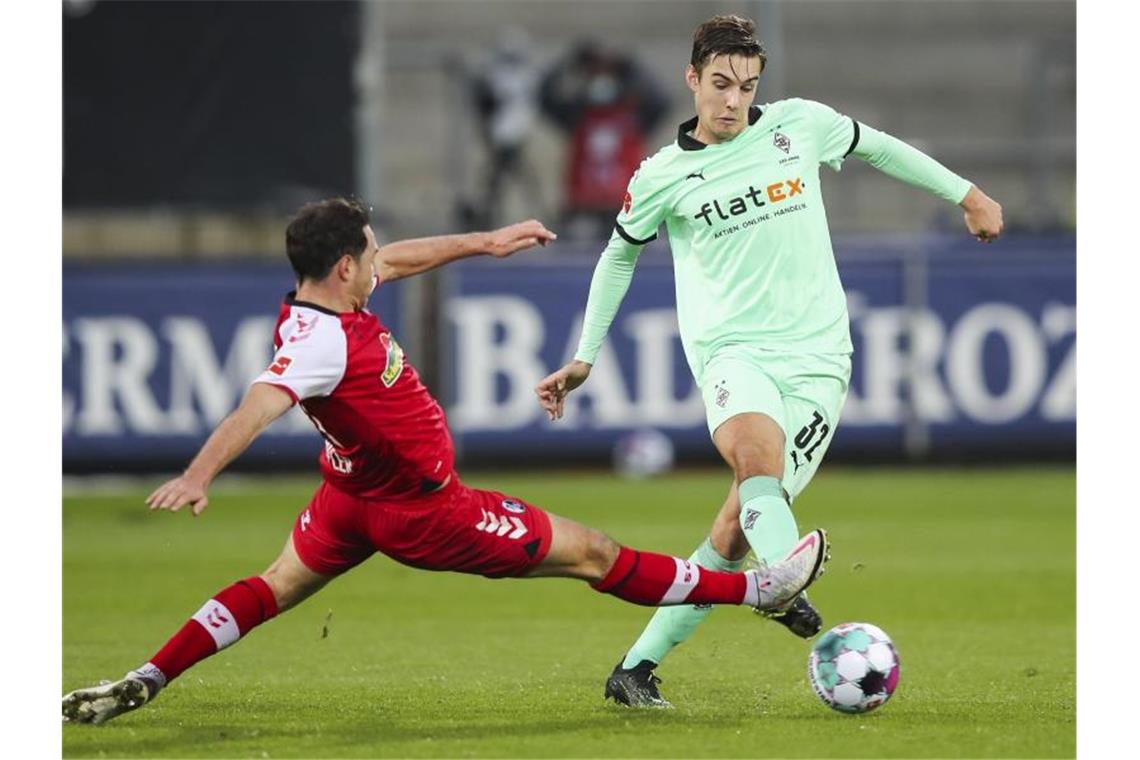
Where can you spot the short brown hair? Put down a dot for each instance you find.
(726, 35)
(321, 233)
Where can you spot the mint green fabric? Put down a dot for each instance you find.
(903, 162)
(766, 518)
(752, 256)
(671, 626)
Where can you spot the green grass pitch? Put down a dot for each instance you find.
(972, 572)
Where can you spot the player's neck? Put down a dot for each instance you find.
(700, 134)
(325, 297)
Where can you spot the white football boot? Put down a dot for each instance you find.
(781, 582)
(98, 704)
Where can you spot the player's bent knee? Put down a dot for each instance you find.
(290, 581)
(758, 458)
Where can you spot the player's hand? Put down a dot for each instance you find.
(177, 493)
(983, 215)
(553, 388)
(517, 237)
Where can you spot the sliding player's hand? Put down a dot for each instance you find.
(177, 493)
(553, 388)
(517, 237)
(983, 215)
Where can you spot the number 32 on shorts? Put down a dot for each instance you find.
(808, 439)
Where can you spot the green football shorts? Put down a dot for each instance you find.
(803, 393)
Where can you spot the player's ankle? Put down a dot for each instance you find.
(150, 675)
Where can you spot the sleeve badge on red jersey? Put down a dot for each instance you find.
(279, 365)
(394, 363)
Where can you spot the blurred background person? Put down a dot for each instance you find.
(607, 105)
(504, 91)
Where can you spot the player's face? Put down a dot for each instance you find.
(723, 92)
(365, 279)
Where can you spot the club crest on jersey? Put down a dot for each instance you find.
(394, 362)
(782, 142)
(513, 506)
(721, 394)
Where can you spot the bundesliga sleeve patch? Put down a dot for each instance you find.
(279, 366)
(627, 203)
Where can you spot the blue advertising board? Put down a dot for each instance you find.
(155, 356)
(959, 348)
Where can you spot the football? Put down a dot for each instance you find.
(854, 667)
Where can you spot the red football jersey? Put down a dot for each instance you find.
(385, 435)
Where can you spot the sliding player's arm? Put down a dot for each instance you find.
(262, 404)
(405, 258)
(904, 162)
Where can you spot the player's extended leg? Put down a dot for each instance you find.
(756, 513)
(723, 550)
(658, 580)
(226, 617)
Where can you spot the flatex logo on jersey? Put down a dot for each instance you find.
(754, 198)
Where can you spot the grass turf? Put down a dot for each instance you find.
(972, 572)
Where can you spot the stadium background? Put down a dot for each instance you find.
(184, 169)
(193, 130)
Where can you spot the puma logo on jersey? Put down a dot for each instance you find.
(394, 362)
(697, 175)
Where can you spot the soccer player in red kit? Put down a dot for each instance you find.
(389, 482)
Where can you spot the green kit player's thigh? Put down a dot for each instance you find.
(814, 389)
(804, 394)
(735, 382)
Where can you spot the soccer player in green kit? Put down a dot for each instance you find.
(762, 313)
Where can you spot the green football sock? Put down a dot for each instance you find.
(766, 518)
(672, 625)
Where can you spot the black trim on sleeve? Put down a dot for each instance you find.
(630, 238)
(854, 139)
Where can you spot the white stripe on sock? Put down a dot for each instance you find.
(751, 592)
(683, 582)
(219, 623)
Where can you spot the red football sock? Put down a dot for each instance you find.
(658, 580)
(231, 614)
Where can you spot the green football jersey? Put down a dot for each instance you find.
(752, 253)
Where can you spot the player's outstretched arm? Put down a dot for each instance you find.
(261, 405)
(553, 388)
(405, 258)
(904, 162)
